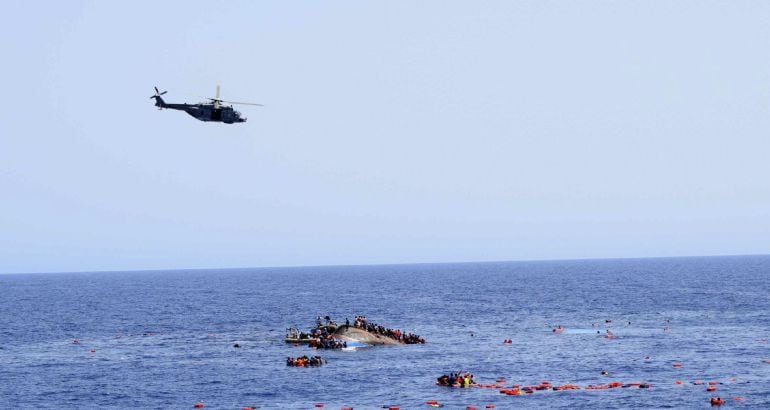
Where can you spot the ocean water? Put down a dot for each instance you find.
(165, 339)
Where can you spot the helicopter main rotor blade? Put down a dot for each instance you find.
(242, 103)
(217, 101)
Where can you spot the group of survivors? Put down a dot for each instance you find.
(328, 343)
(322, 335)
(305, 361)
(362, 322)
(456, 380)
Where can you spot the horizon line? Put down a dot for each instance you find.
(382, 264)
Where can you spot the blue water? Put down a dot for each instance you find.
(165, 339)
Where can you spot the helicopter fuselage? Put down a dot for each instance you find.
(208, 112)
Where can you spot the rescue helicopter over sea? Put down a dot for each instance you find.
(213, 111)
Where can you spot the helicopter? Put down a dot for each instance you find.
(213, 111)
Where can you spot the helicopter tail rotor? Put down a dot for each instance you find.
(158, 93)
(159, 101)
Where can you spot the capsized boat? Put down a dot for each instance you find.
(351, 333)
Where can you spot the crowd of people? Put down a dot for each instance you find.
(305, 361)
(362, 322)
(458, 379)
(319, 337)
(321, 331)
(328, 343)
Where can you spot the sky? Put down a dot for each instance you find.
(392, 132)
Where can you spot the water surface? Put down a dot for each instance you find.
(165, 339)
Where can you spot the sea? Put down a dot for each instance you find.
(166, 339)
